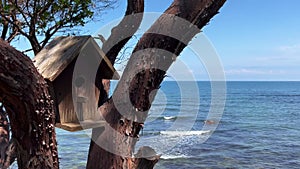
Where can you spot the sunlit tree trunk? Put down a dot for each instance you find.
(141, 79)
(112, 46)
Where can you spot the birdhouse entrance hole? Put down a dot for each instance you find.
(75, 97)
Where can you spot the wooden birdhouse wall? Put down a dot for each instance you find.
(76, 98)
(84, 76)
(70, 64)
(63, 92)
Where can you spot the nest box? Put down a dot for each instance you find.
(69, 65)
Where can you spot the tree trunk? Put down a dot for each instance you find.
(24, 94)
(126, 112)
(111, 47)
(4, 137)
(36, 47)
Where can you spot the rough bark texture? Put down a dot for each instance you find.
(4, 137)
(24, 94)
(123, 32)
(128, 109)
(120, 35)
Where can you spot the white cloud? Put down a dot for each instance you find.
(245, 71)
(285, 55)
(290, 48)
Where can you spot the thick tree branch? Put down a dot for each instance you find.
(31, 113)
(4, 30)
(120, 35)
(4, 136)
(146, 68)
(124, 31)
(3, 22)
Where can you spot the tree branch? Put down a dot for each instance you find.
(31, 114)
(12, 35)
(146, 69)
(124, 31)
(45, 7)
(14, 23)
(112, 46)
(49, 34)
(11, 153)
(4, 30)
(4, 23)
(15, 31)
(4, 136)
(20, 11)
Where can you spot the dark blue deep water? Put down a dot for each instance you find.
(260, 128)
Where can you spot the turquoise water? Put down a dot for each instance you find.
(259, 128)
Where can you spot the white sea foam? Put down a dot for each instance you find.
(170, 157)
(169, 117)
(184, 133)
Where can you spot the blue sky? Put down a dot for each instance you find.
(254, 39)
(258, 39)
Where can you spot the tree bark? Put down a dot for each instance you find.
(24, 94)
(120, 35)
(36, 47)
(158, 48)
(124, 31)
(4, 137)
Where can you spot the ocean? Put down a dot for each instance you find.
(259, 128)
